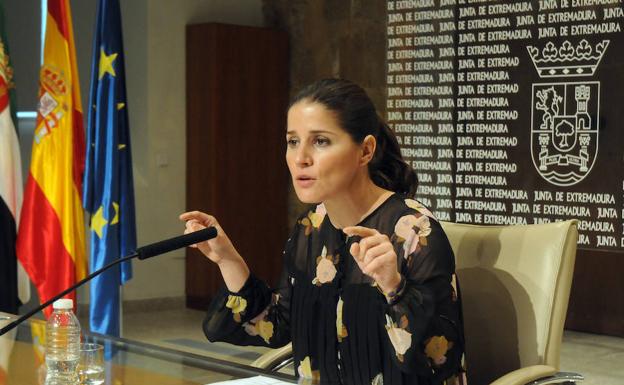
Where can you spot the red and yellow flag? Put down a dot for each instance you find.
(51, 240)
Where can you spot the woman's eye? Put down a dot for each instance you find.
(291, 142)
(321, 141)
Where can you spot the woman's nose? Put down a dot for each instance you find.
(302, 157)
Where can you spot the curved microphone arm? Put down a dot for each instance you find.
(26, 316)
(144, 252)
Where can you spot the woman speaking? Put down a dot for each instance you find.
(368, 293)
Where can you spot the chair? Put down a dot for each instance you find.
(515, 284)
(275, 359)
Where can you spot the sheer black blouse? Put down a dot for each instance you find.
(342, 327)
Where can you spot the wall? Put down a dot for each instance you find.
(154, 34)
(328, 38)
(24, 34)
(154, 40)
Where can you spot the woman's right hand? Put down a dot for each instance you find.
(219, 249)
(216, 249)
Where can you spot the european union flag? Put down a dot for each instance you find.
(108, 190)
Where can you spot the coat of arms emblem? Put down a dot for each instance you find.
(51, 106)
(565, 116)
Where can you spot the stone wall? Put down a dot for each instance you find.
(333, 38)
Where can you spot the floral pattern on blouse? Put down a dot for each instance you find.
(314, 219)
(341, 330)
(259, 326)
(412, 230)
(400, 338)
(436, 348)
(414, 204)
(305, 369)
(325, 268)
(377, 380)
(238, 305)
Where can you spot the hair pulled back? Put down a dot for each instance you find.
(358, 117)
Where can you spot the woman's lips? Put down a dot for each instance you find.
(305, 181)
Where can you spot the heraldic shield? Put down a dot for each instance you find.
(564, 130)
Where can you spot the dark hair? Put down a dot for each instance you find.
(358, 117)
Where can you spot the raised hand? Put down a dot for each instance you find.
(215, 249)
(375, 256)
(219, 249)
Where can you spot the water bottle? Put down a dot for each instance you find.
(62, 344)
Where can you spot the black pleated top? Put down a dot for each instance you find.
(342, 327)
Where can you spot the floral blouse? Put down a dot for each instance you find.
(342, 327)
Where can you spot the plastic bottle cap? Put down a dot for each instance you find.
(63, 303)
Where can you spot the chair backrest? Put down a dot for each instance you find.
(515, 284)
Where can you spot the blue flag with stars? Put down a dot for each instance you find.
(108, 193)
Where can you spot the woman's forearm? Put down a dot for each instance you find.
(235, 273)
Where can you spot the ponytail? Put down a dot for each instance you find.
(387, 168)
(358, 117)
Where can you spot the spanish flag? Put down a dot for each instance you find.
(51, 235)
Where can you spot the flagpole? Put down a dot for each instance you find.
(121, 311)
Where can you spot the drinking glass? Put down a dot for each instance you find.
(91, 365)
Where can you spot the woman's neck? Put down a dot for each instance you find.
(357, 203)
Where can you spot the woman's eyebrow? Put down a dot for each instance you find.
(312, 132)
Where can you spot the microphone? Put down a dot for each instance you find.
(167, 245)
(144, 252)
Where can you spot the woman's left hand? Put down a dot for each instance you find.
(375, 256)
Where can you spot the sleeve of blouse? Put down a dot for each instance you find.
(421, 322)
(256, 315)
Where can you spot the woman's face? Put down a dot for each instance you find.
(322, 158)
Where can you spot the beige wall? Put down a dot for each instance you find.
(154, 35)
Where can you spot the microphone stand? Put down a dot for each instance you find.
(144, 252)
(23, 318)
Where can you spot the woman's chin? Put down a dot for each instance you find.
(307, 200)
(307, 197)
